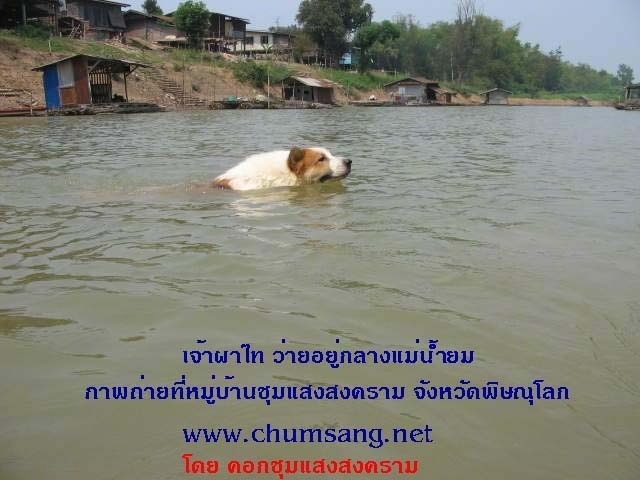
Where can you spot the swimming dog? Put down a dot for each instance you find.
(284, 168)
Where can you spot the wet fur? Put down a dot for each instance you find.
(284, 168)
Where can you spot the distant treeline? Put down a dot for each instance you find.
(474, 51)
(484, 53)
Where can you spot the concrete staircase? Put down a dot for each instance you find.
(170, 87)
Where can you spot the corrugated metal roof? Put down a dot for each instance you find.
(495, 90)
(109, 2)
(312, 82)
(442, 90)
(91, 57)
(415, 79)
(228, 17)
(164, 18)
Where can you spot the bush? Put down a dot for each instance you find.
(354, 80)
(33, 31)
(257, 74)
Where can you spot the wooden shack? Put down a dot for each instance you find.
(441, 95)
(307, 89)
(265, 42)
(418, 90)
(411, 90)
(149, 27)
(84, 80)
(632, 95)
(92, 19)
(226, 33)
(85, 19)
(16, 13)
(496, 96)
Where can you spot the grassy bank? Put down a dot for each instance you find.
(594, 96)
(61, 46)
(247, 74)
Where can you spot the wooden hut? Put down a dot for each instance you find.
(149, 27)
(632, 95)
(411, 90)
(418, 90)
(631, 98)
(307, 89)
(86, 19)
(441, 95)
(91, 19)
(16, 13)
(226, 33)
(496, 96)
(82, 80)
(259, 42)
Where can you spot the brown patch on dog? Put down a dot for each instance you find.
(308, 164)
(222, 184)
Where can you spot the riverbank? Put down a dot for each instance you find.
(173, 82)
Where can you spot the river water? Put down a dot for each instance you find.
(513, 232)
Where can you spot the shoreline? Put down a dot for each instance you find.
(21, 89)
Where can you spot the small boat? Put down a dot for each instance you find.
(371, 103)
(622, 106)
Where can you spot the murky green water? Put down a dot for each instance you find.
(514, 232)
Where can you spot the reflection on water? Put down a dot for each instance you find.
(512, 231)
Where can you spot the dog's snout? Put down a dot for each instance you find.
(347, 163)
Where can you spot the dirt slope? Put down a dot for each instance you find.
(20, 86)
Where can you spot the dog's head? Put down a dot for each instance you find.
(316, 164)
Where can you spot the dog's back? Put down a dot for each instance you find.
(283, 168)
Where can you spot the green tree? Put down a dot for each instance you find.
(192, 18)
(625, 74)
(473, 50)
(385, 55)
(497, 56)
(374, 36)
(553, 73)
(532, 69)
(412, 46)
(151, 7)
(584, 78)
(329, 22)
(464, 39)
(303, 46)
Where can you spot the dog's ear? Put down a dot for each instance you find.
(295, 155)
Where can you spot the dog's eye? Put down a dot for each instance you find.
(322, 158)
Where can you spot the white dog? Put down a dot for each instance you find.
(284, 168)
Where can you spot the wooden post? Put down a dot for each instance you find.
(184, 56)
